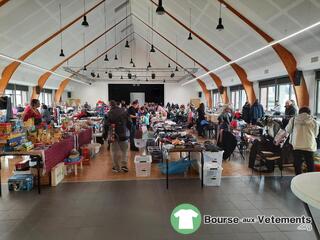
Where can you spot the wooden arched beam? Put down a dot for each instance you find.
(247, 85)
(214, 77)
(44, 77)
(284, 54)
(3, 2)
(12, 67)
(203, 86)
(65, 82)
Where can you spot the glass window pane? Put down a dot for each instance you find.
(263, 97)
(243, 98)
(271, 97)
(284, 95)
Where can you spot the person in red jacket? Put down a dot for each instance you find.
(32, 111)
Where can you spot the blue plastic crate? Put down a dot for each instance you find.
(176, 167)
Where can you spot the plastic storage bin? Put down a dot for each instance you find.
(213, 157)
(212, 174)
(21, 182)
(143, 165)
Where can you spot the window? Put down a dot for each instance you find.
(18, 94)
(216, 98)
(318, 93)
(274, 90)
(238, 97)
(46, 97)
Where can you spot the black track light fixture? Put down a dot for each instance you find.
(85, 22)
(129, 75)
(106, 72)
(106, 58)
(153, 76)
(176, 69)
(190, 35)
(149, 65)
(61, 53)
(220, 26)
(131, 61)
(93, 74)
(152, 49)
(60, 17)
(160, 10)
(172, 75)
(147, 80)
(164, 81)
(115, 57)
(127, 44)
(169, 66)
(121, 77)
(110, 75)
(133, 65)
(98, 75)
(84, 68)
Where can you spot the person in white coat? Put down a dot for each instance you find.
(303, 130)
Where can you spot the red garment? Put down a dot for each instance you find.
(31, 113)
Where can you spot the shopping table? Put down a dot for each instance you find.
(306, 187)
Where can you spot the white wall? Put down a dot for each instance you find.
(174, 92)
(90, 94)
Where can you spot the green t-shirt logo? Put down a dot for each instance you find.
(185, 219)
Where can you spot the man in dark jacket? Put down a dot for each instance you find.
(289, 112)
(246, 112)
(256, 112)
(118, 124)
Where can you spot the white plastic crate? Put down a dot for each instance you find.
(213, 157)
(143, 165)
(212, 174)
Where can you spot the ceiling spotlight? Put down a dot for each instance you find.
(127, 44)
(172, 75)
(98, 76)
(85, 22)
(110, 75)
(106, 58)
(133, 65)
(93, 74)
(115, 57)
(61, 53)
(121, 77)
(149, 65)
(84, 68)
(190, 36)
(176, 69)
(129, 75)
(169, 66)
(106, 72)
(131, 61)
(160, 10)
(152, 48)
(220, 26)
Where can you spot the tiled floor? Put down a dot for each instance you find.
(141, 210)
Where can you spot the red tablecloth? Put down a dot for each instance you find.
(57, 153)
(84, 137)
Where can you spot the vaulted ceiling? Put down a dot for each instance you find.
(25, 23)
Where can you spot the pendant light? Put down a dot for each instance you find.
(190, 36)
(61, 49)
(220, 26)
(127, 42)
(169, 65)
(152, 47)
(133, 65)
(105, 28)
(97, 65)
(98, 76)
(121, 77)
(160, 10)
(84, 53)
(115, 41)
(84, 22)
(149, 65)
(176, 69)
(131, 61)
